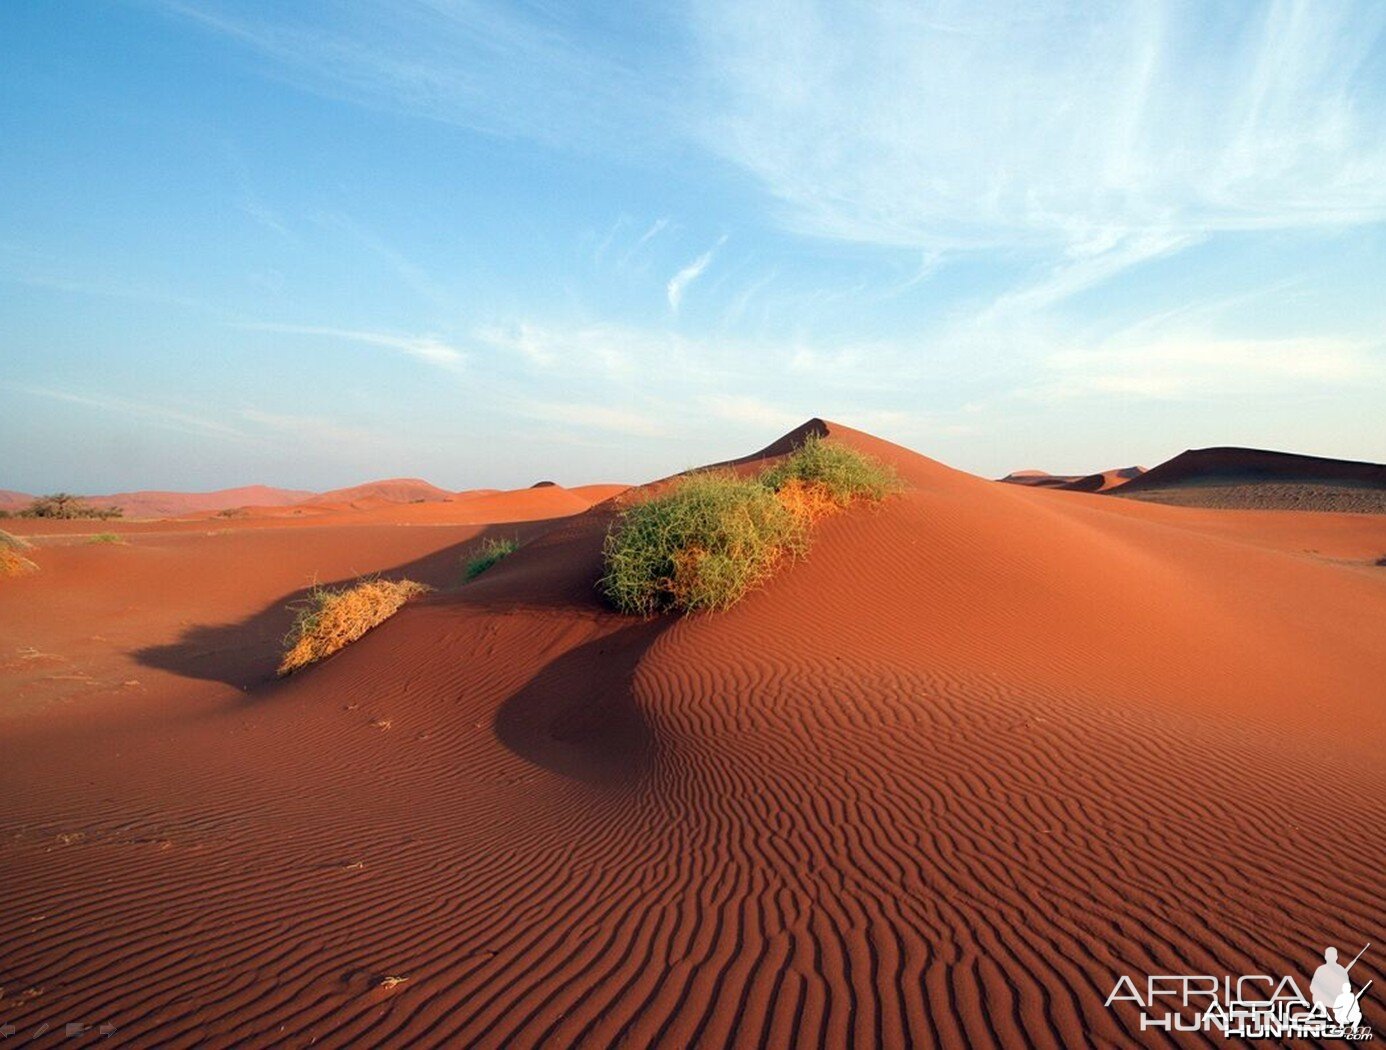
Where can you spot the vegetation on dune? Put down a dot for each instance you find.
(714, 536)
(106, 537)
(702, 545)
(64, 505)
(822, 471)
(12, 559)
(490, 552)
(330, 618)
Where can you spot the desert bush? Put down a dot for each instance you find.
(713, 536)
(107, 537)
(64, 505)
(701, 545)
(819, 475)
(12, 559)
(330, 618)
(490, 552)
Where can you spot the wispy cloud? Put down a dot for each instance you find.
(506, 71)
(679, 283)
(1001, 124)
(147, 412)
(427, 348)
(1191, 366)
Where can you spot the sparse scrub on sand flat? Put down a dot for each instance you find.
(714, 536)
(65, 506)
(330, 618)
(490, 552)
(106, 537)
(12, 559)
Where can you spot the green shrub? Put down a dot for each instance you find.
(712, 537)
(106, 537)
(840, 474)
(490, 552)
(701, 545)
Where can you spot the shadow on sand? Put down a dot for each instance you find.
(576, 716)
(245, 654)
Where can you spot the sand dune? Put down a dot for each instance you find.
(1102, 481)
(1040, 479)
(261, 500)
(1256, 478)
(940, 782)
(394, 490)
(156, 504)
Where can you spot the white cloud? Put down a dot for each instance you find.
(503, 71)
(427, 348)
(678, 284)
(1191, 366)
(999, 124)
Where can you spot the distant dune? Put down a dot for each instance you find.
(1099, 482)
(260, 501)
(1257, 478)
(393, 490)
(1040, 479)
(158, 504)
(939, 783)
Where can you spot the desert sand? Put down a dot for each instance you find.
(986, 748)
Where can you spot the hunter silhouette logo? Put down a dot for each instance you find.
(1252, 1006)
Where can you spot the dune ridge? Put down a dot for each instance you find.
(936, 785)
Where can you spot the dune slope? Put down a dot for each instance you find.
(986, 748)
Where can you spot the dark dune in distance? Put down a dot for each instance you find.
(936, 784)
(1099, 482)
(1260, 479)
(1210, 465)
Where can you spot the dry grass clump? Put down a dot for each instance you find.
(107, 537)
(12, 559)
(714, 536)
(492, 551)
(331, 618)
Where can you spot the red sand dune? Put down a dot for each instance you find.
(154, 504)
(983, 750)
(394, 490)
(1040, 479)
(1105, 480)
(1099, 482)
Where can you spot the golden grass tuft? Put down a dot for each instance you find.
(12, 559)
(807, 500)
(332, 618)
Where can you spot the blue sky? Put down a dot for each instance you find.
(311, 244)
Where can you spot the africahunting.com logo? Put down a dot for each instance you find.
(1253, 1006)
